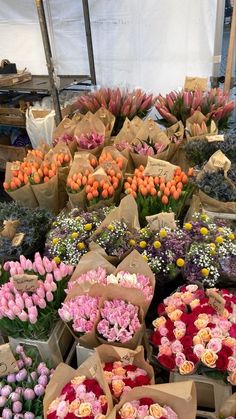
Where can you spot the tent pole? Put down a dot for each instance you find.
(49, 59)
(230, 56)
(89, 40)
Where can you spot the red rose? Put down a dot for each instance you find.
(208, 310)
(167, 361)
(186, 341)
(161, 309)
(222, 361)
(69, 391)
(190, 356)
(224, 291)
(146, 401)
(187, 318)
(129, 382)
(86, 417)
(118, 416)
(227, 350)
(52, 415)
(232, 331)
(92, 385)
(108, 366)
(142, 380)
(211, 325)
(104, 409)
(130, 367)
(156, 338)
(170, 335)
(71, 416)
(169, 324)
(191, 329)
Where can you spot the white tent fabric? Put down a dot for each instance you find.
(152, 44)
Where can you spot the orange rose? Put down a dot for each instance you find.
(160, 321)
(179, 333)
(74, 406)
(108, 376)
(119, 371)
(209, 358)
(205, 334)
(187, 297)
(170, 308)
(103, 399)
(175, 315)
(232, 378)
(186, 367)
(128, 411)
(156, 411)
(117, 387)
(231, 342)
(85, 409)
(197, 340)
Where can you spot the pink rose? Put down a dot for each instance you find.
(214, 344)
(179, 359)
(165, 350)
(176, 346)
(165, 341)
(179, 324)
(63, 409)
(163, 331)
(198, 350)
(231, 364)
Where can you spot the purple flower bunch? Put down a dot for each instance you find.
(81, 311)
(21, 393)
(18, 308)
(119, 321)
(148, 148)
(66, 138)
(89, 141)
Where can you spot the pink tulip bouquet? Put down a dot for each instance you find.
(33, 314)
(178, 106)
(89, 141)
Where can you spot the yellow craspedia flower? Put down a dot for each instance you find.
(205, 271)
(88, 227)
(57, 260)
(212, 245)
(219, 240)
(143, 244)
(220, 229)
(231, 236)
(180, 262)
(188, 226)
(157, 244)
(55, 240)
(204, 217)
(143, 230)
(111, 227)
(163, 233)
(74, 235)
(145, 257)
(132, 242)
(204, 231)
(80, 246)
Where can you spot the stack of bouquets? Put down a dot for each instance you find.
(69, 237)
(77, 393)
(178, 106)
(190, 335)
(23, 230)
(21, 393)
(33, 314)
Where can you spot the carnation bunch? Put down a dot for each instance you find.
(33, 314)
(122, 377)
(119, 321)
(190, 335)
(81, 397)
(89, 141)
(145, 408)
(115, 238)
(21, 393)
(179, 106)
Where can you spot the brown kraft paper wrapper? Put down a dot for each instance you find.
(229, 407)
(179, 158)
(108, 119)
(66, 126)
(63, 374)
(63, 173)
(24, 195)
(116, 153)
(128, 133)
(181, 397)
(79, 165)
(196, 125)
(195, 206)
(90, 123)
(47, 194)
(100, 174)
(211, 204)
(176, 130)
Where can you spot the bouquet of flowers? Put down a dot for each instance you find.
(69, 237)
(111, 155)
(228, 409)
(178, 106)
(122, 104)
(216, 186)
(148, 148)
(193, 333)
(21, 393)
(23, 230)
(146, 407)
(31, 298)
(89, 141)
(90, 134)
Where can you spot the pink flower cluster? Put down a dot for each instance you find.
(122, 278)
(190, 332)
(145, 408)
(66, 138)
(119, 321)
(82, 311)
(25, 305)
(90, 141)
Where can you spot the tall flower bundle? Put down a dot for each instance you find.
(192, 335)
(146, 408)
(33, 314)
(89, 141)
(178, 106)
(21, 393)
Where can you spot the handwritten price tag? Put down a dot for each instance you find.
(24, 282)
(161, 168)
(127, 359)
(163, 219)
(8, 363)
(213, 138)
(195, 83)
(18, 239)
(216, 301)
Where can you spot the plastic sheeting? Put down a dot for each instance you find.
(147, 43)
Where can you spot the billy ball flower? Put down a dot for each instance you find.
(163, 233)
(55, 240)
(81, 246)
(180, 262)
(110, 227)
(219, 240)
(205, 272)
(132, 242)
(57, 260)
(88, 227)
(204, 231)
(143, 244)
(74, 235)
(231, 236)
(188, 226)
(157, 244)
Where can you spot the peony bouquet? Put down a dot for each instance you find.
(179, 106)
(21, 393)
(89, 141)
(193, 334)
(145, 408)
(32, 313)
(80, 397)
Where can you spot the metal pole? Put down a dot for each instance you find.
(49, 61)
(230, 57)
(89, 40)
(218, 38)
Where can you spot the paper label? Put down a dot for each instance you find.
(18, 239)
(161, 168)
(212, 138)
(127, 359)
(218, 161)
(15, 166)
(8, 363)
(25, 282)
(93, 370)
(216, 301)
(195, 83)
(163, 219)
(81, 156)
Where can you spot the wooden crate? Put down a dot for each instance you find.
(12, 79)
(12, 116)
(11, 153)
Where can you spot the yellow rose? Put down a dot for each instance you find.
(85, 409)
(201, 323)
(232, 378)
(186, 368)
(160, 321)
(117, 387)
(74, 406)
(103, 399)
(128, 411)
(108, 376)
(179, 333)
(203, 316)
(205, 334)
(194, 303)
(156, 410)
(231, 342)
(78, 380)
(197, 340)
(119, 371)
(170, 308)
(175, 315)
(209, 358)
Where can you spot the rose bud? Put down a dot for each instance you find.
(34, 375)
(29, 394)
(19, 390)
(39, 390)
(6, 391)
(28, 361)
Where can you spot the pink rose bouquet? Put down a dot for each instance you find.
(89, 141)
(145, 408)
(119, 321)
(81, 397)
(191, 335)
(32, 314)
